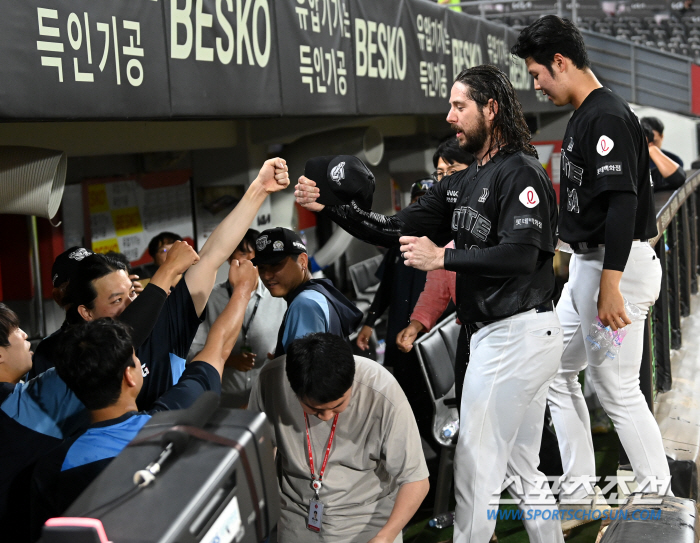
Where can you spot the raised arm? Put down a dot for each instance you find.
(243, 277)
(667, 167)
(273, 177)
(144, 311)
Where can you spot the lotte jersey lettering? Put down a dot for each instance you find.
(509, 200)
(604, 149)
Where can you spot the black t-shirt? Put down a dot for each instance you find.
(164, 352)
(604, 149)
(63, 474)
(509, 200)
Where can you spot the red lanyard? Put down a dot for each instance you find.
(316, 485)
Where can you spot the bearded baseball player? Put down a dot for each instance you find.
(606, 216)
(501, 213)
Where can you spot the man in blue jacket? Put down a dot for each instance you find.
(314, 305)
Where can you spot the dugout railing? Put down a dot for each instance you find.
(676, 246)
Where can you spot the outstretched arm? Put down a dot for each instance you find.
(367, 226)
(273, 177)
(243, 277)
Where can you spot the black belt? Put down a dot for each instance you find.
(542, 308)
(582, 246)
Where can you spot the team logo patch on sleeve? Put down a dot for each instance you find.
(604, 146)
(609, 168)
(520, 222)
(529, 198)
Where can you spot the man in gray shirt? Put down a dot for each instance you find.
(365, 475)
(258, 335)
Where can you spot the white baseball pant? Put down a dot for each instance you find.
(512, 364)
(616, 381)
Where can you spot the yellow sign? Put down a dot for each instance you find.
(97, 199)
(105, 246)
(127, 221)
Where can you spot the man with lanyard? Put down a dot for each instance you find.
(258, 335)
(607, 216)
(502, 214)
(354, 471)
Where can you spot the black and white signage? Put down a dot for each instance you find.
(164, 59)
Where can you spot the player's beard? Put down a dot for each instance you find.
(474, 139)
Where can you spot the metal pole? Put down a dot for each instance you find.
(560, 8)
(574, 12)
(39, 328)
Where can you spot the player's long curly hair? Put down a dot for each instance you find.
(510, 130)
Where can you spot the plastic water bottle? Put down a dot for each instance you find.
(442, 521)
(450, 431)
(601, 338)
(381, 349)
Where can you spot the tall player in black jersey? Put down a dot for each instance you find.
(501, 213)
(606, 216)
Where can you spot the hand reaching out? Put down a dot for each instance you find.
(306, 193)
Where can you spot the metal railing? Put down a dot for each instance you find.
(676, 246)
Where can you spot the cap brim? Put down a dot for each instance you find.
(316, 169)
(274, 258)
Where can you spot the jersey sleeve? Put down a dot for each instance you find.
(308, 313)
(609, 149)
(527, 213)
(182, 319)
(142, 314)
(197, 378)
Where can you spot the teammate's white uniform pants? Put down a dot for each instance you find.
(511, 365)
(616, 381)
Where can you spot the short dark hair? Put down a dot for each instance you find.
(120, 257)
(162, 238)
(249, 239)
(9, 321)
(510, 131)
(450, 151)
(548, 36)
(81, 290)
(654, 123)
(648, 131)
(320, 367)
(91, 358)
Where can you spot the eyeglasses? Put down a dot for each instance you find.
(437, 175)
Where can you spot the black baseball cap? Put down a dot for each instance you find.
(66, 263)
(421, 187)
(342, 179)
(273, 245)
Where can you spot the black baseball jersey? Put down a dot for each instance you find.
(604, 149)
(509, 200)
